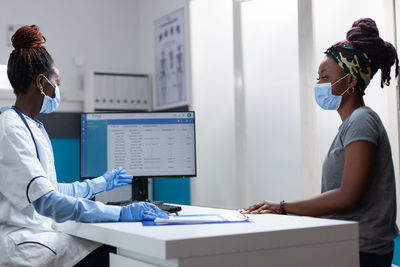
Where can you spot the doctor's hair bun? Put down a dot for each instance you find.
(364, 36)
(28, 37)
(29, 59)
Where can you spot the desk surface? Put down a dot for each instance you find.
(176, 241)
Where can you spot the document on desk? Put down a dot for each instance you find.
(199, 219)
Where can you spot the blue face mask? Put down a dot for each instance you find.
(324, 96)
(50, 104)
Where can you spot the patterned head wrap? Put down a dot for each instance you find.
(355, 62)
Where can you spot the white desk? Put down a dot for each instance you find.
(270, 240)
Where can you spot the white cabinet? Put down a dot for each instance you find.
(117, 91)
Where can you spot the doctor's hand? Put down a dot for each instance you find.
(263, 207)
(141, 211)
(117, 178)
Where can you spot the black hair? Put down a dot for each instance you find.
(364, 36)
(28, 59)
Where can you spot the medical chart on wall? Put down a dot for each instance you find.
(170, 70)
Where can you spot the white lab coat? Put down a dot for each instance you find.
(26, 237)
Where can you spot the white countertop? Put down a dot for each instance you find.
(176, 241)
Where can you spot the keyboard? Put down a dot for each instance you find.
(169, 208)
(165, 207)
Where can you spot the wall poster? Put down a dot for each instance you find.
(170, 70)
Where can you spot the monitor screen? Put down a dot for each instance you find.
(155, 144)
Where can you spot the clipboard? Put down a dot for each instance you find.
(198, 219)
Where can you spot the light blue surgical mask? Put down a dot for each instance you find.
(50, 104)
(324, 96)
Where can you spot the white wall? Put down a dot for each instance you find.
(213, 100)
(271, 78)
(149, 11)
(102, 32)
(309, 134)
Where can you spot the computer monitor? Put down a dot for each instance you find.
(148, 145)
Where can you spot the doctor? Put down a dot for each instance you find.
(31, 200)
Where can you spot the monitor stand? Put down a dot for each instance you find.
(140, 189)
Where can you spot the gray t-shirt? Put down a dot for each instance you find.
(376, 213)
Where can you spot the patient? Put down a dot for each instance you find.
(358, 182)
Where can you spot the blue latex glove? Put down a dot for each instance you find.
(86, 189)
(141, 211)
(61, 208)
(117, 178)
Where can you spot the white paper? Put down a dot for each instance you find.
(202, 219)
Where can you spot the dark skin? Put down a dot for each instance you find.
(31, 102)
(359, 158)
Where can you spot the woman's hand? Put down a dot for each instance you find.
(263, 207)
